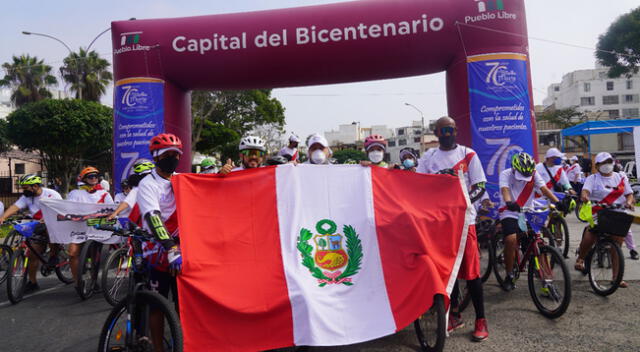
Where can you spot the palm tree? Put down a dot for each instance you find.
(87, 73)
(29, 79)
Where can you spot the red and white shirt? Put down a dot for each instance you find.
(293, 152)
(558, 174)
(573, 172)
(461, 157)
(156, 194)
(33, 203)
(83, 196)
(521, 192)
(610, 189)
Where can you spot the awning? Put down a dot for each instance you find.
(601, 127)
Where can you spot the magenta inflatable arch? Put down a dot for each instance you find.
(158, 62)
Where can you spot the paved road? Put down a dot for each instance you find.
(54, 319)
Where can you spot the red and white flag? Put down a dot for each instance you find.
(313, 255)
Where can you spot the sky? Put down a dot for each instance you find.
(317, 108)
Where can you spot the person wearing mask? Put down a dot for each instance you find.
(408, 159)
(127, 207)
(252, 155)
(124, 186)
(552, 172)
(207, 166)
(449, 157)
(291, 151)
(319, 151)
(375, 146)
(574, 172)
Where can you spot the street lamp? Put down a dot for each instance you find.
(421, 114)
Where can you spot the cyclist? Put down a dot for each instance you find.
(574, 174)
(409, 159)
(552, 172)
(375, 146)
(517, 187)
(124, 186)
(208, 166)
(319, 151)
(605, 186)
(450, 157)
(32, 193)
(127, 207)
(252, 155)
(89, 191)
(291, 151)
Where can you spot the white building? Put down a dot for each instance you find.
(352, 133)
(408, 136)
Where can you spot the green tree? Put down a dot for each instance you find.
(564, 118)
(342, 156)
(28, 78)
(88, 73)
(619, 47)
(221, 118)
(69, 134)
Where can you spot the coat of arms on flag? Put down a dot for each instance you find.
(329, 254)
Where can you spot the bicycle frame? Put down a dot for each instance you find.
(533, 249)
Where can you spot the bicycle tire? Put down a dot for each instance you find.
(548, 237)
(464, 297)
(560, 233)
(17, 279)
(88, 269)
(435, 314)
(551, 288)
(604, 245)
(484, 244)
(13, 239)
(63, 269)
(110, 290)
(5, 262)
(143, 297)
(497, 252)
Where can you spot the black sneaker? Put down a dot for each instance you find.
(31, 287)
(508, 284)
(634, 254)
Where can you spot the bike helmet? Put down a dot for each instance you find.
(30, 179)
(350, 162)
(143, 166)
(409, 151)
(523, 163)
(87, 171)
(206, 163)
(252, 142)
(124, 184)
(373, 140)
(167, 141)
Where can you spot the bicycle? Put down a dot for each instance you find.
(431, 327)
(116, 272)
(128, 326)
(5, 260)
(18, 264)
(557, 226)
(604, 263)
(548, 276)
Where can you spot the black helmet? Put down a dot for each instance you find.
(124, 184)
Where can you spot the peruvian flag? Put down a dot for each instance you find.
(313, 255)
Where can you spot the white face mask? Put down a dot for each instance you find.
(376, 156)
(605, 168)
(318, 157)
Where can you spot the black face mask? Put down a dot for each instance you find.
(168, 165)
(447, 142)
(134, 179)
(28, 193)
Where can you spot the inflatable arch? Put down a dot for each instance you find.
(482, 45)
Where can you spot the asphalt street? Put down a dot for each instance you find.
(55, 319)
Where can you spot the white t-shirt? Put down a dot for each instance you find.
(563, 181)
(129, 198)
(292, 152)
(600, 186)
(119, 197)
(33, 203)
(573, 172)
(156, 194)
(435, 159)
(508, 179)
(82, 196)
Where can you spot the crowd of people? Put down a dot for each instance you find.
(148, 199)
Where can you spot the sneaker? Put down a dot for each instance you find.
(480, 333)
(455, 322)
(508, 284)
(634, 254)
(31, 287)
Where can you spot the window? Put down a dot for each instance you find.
(417, 132)
(630, 98)
(556, 88)
(613, 114)
(401, 132)
(587, 87)
(402, 142)
(610, 85)
(392, 143)
(610, 100)
(18, 169)
(416, 140)
(587, 101)
(629, 84)
(633, 112)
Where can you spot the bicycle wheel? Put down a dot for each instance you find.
(5, 262)
(13, 239)
(484, 243)
(560, 231)
(599, 264)
(63, 268)
(115, 275)
(497, 249)
(464, 296)
(114, 335)
(88, 268)
(549, 282)
(431, 326)
(17, 279)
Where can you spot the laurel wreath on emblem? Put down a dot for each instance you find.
(354, 251)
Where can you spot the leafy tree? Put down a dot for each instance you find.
(69, 134)
(28, 79)
(564, 118)
(88, 73)
(619, 47)
(272, 136)
(342, 156)
(221, 118)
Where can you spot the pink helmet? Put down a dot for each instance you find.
(373, 140)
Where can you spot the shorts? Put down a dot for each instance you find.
(470, 265)
(510, 226)
(163, 283)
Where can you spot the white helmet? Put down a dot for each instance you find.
(252, 142)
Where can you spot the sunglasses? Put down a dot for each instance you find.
(252, 152)
(91, 176)
(447, 131)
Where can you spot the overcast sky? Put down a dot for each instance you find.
(317, 108)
